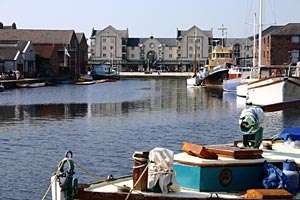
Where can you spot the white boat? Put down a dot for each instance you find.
(2, 88)
(35, 85)
(194, 80)
(275, 85)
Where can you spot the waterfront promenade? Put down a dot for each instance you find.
(155, 74)
(11, 83)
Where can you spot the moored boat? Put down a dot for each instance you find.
(236, 75)
(22, 85)
(275, 84)
(2, 88)
(225, 171)
(104, 71)
(84, 82)
(35, 85)
(221, 60)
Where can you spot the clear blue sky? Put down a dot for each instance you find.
(159, 18)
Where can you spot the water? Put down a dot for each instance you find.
(104, 124)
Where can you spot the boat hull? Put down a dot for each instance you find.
(100, 77)
(216, 78)
(230, 85)
(278, 89)
(242, 89)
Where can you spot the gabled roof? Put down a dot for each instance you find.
(181, 33)
(38, 36)
(10, 48)
(289, 29)
(44, 51)
(121, 33)
(269, 30)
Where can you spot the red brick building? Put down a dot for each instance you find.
(280, 44)
(59, 52)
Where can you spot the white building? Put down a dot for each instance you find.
(147, 54)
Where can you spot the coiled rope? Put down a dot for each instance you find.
(97, 178)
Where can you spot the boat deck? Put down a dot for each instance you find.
(184, 193)
(277, 154)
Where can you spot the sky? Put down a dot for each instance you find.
(159, 18)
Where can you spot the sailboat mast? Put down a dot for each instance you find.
(254, 39)
(260, 32)
(195, 55)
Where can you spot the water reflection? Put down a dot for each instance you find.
(105, 123)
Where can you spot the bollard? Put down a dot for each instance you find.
(140, 170)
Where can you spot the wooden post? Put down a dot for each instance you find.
(140, 171)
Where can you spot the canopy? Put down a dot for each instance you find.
(292, 133)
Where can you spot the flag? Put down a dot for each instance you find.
(67, 53)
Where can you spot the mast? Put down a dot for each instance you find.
(222, 29)
(254, 40)
(195, 55)
(259, 33)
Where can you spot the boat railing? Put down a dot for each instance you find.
(219, 67)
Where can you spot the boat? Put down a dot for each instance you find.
(221, 60)
(36, 85)
(22, 85)
(252, 168)
(195, 80)
(84, 82)
(236, 75)
(2, 88)
(275, 84)
(104, 71)
(216, 75)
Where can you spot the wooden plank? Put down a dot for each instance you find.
(198, 150)
(281, 106)
(268, 194)
(235, 152)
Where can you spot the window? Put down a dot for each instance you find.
(112, 40)
(132, 55)
(237, 50)
(103, 40)
(132, 48)
(170, 48)
(104, 55)
(191, 48)
(170, 55)
(104, 47)
(190, 55)
(295, 39)
(111, 47)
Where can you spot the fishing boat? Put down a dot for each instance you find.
(104, 71)
(249, 168)
(221, 60)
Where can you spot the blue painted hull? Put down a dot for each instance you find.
(230, 85)
(219, 179)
